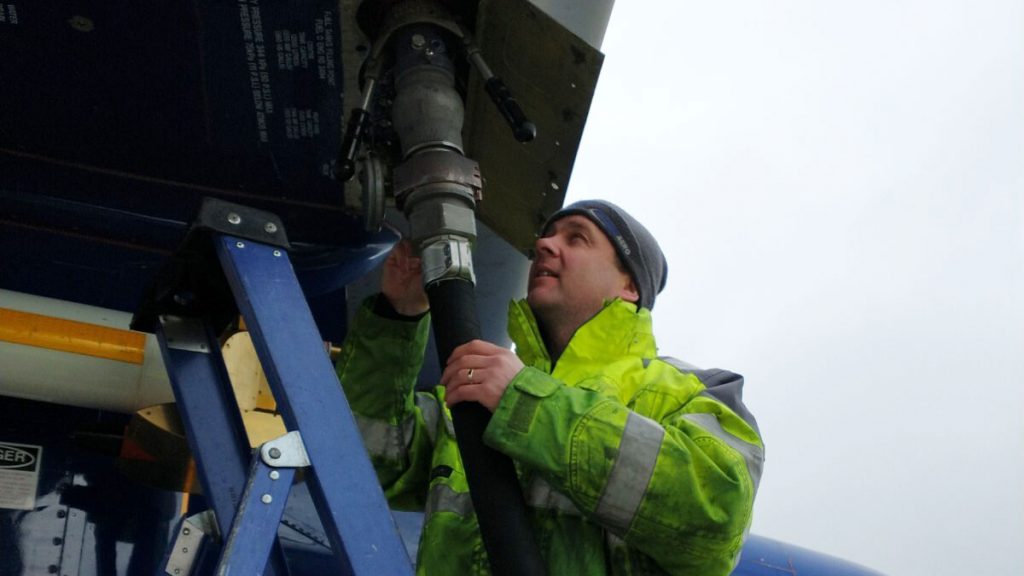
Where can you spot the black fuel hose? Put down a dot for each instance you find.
(493, 485)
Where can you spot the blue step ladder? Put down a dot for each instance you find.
(235, 259)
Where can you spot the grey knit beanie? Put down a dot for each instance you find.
(636, 247)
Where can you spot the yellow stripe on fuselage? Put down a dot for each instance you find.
(71, 336)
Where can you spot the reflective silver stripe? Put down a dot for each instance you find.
(384, 440)
(752, 453)
(443, 499)
(631, 472)
(684, 367)
(542, 495)
(430, 411)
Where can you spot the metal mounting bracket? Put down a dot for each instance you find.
(286, 451)
(188, 542)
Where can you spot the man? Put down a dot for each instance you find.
(630, 464)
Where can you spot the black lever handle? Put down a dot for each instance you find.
(522, 128)
(358, 122)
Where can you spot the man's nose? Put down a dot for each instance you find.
(546, 245)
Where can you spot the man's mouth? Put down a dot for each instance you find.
(539, 274)
(543, 273)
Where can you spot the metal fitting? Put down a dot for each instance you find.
(372, 182)
(427, 110)
(445, 216)
(447, 258)
(434, 167)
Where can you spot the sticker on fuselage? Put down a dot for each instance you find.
(19, 475)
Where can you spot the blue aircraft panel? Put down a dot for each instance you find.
(117, 119)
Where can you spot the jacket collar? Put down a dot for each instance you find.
(618, 329)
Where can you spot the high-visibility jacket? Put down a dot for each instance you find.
(630, 464)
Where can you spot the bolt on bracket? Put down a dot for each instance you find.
(286, 451)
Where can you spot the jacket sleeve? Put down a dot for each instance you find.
(678, 488)
(378, 367)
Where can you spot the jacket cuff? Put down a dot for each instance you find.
(372, 324)
(382, 307)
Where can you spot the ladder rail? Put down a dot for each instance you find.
(213, 424)
(343, 483)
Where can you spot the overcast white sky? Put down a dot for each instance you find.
(838, 188)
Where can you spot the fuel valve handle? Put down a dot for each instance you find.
(522, 128)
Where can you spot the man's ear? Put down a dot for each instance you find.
(629, 293)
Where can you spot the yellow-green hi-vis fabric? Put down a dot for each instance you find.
(630, 464)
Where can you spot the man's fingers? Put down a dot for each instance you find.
(459, 351)
(471, 361)
(450, 373)
(478, 371)
(473, 347)
(464, 393)
(456, 395)
(455, 375)
(484, 394)
(456, 382)
(403, 257)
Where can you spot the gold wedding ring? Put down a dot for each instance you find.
(469, 375)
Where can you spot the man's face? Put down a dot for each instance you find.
(574, 271)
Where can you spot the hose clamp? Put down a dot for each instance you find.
(447, 258)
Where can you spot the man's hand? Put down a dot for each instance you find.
(402, 281)
(479, 371)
